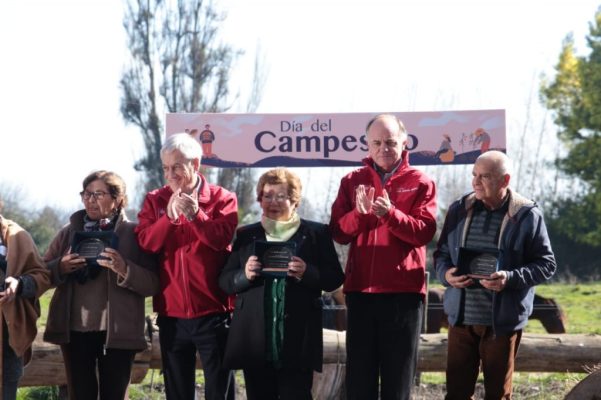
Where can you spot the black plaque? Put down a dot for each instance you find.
(274, 257)
(477, 263)
(89, 245)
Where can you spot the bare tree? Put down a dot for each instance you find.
(177, 64)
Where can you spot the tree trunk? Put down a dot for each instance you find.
(570, 352)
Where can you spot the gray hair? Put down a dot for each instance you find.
(503, 164)
(184, 143)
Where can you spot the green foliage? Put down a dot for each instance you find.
(38, 393)
(42, 225)
(574, 96)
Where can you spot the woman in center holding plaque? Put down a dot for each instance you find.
(101, 277)
(278, 269)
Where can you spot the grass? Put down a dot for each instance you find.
(580, 303)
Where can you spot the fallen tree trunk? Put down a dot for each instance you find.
(537, 352)
(540, 353)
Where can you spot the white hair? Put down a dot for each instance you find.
(184, 143)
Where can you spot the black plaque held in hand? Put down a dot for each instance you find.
(478, 263)
(89, 245)
(274, 257)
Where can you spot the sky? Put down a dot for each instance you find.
(61, 61)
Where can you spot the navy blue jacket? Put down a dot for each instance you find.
(525, 253)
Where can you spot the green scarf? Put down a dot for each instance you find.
(280, 231)
(275, 291)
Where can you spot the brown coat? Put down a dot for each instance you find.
(23, 259)
(126, 323)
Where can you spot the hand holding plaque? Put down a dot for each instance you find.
(478, 263)
(89, 245)
(274, 257)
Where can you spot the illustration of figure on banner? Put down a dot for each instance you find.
(483, 139)
(445, 153)
(206, 138)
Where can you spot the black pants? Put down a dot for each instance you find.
(269, 383)
(381, 344)
(93, 370)
(180, 339)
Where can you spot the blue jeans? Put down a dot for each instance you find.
(382, 340)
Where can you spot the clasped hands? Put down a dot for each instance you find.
(296, 268)
(184, 204)
(365, 203)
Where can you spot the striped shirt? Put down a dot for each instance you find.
(483, 233)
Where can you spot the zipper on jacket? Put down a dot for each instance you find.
(373, 256)
(185, 282)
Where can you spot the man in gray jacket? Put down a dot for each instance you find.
(488, 309)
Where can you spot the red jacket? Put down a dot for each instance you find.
(387, 254)
(192, 252)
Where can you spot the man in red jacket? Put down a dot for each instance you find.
(190, 223)
(386, 211)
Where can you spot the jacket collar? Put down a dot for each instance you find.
(76, 219)
(404, 164)
(516, 202)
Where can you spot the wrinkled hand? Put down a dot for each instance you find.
(113, 261)
(172, 212)
(70, 263)
(252, 269)
(187, 204)
(457, 281)
(297, 268)
(10, 291)
(497, 281)
(382, 205)
(364, 199)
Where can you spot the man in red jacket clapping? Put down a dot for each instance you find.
(386, 211)
(190, 223)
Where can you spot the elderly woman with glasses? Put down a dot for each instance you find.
(276, 330)
(97, 312)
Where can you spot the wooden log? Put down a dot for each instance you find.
(570, 352)
(46, 367)
(538, 352)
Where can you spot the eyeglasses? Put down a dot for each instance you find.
(98, 195)
(280, 198)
